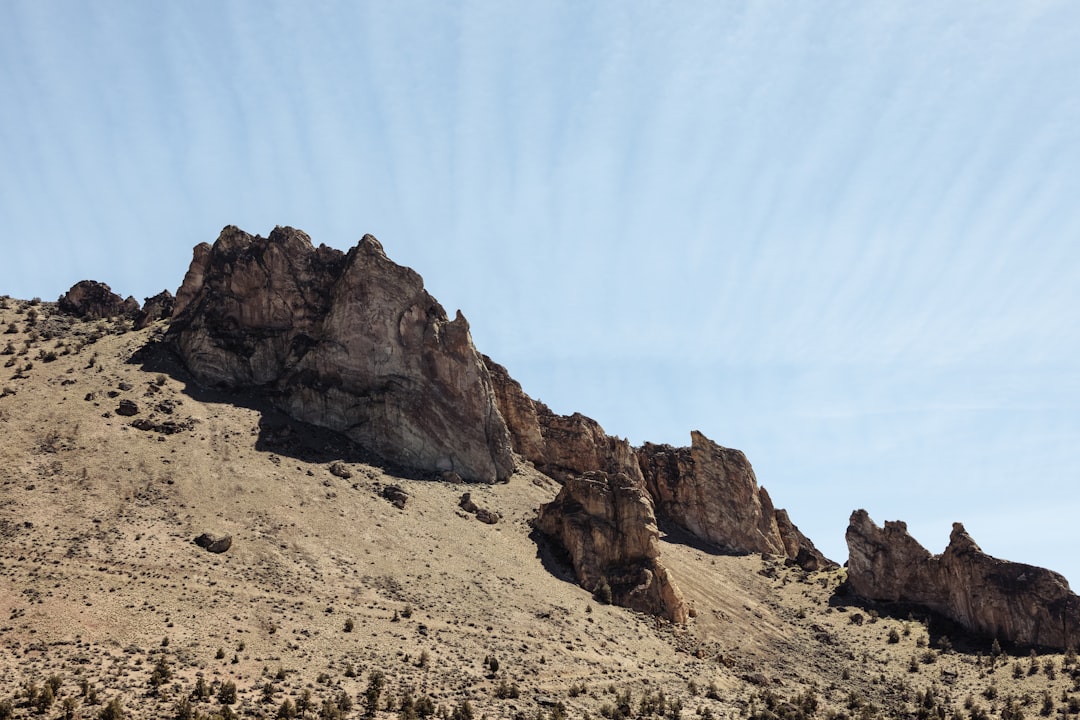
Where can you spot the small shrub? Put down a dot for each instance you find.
(113, 711)
(894, 637)
(44, 700)
(602, 592)
(509, 691)
(462, 711)
(227, 693)
(349, 625)
(183, 709)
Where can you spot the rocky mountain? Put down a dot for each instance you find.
(1012, 601)
(195, 522)
(350, 342)
(353, 342)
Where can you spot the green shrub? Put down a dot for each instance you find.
(113, 711)
(227, 693)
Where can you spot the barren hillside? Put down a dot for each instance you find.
(328, 585)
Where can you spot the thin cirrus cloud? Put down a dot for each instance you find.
(840, 238)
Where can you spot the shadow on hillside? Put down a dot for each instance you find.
(675, 535)
(553, 557)
(278, 433)
(941, 632)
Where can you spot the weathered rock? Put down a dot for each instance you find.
(560, 446)
(127, 408)
(706, 489)
(95, 300)
(487, 516)
(482, 514)
(158, 307)
(466, 503)
(214, 543)
(607, 526)
(349, 342)
(396, 495)
(712, 492)
(165, 427)
(338, 469)
(1010, 601)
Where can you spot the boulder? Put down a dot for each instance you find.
(606, 524)
(94, 300)
(396, 495)
(127, 408)
(1010, 601)
(350, 342)
(214, 543)
(712, 492)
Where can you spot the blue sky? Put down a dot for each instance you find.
(842, 237)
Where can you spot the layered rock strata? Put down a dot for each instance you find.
(607, 525)
(1007, 600)
(351, 342)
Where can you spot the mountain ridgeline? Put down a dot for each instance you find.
(352, 342)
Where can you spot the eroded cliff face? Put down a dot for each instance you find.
(1011, 601)
(607, 526)
(712, 492)
(706, 489)
(561, 446)
(351, 342)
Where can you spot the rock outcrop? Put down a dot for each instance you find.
(561, 446)
(607, 526)
(1010, 601)
(214, 543)
(351, 342)
(708, 490)
(158, 307)
(712, 492)
(94, 300)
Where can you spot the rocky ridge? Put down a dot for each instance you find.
(1007, 600)
(350, 342)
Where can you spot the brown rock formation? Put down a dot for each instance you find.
(712, 492)
(1011, 601)
(158, 307)
(214, 543)
(95, 300)
(558, 445)
(607, 526)
(349, 342)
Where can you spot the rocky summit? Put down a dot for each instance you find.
(350, 342)
(1012, 601)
